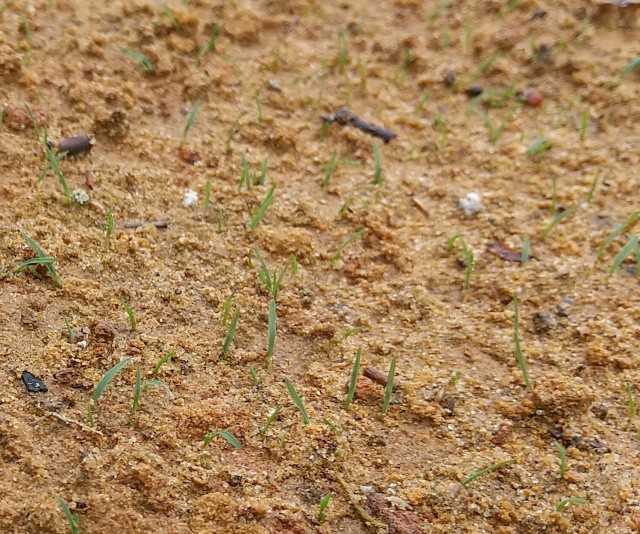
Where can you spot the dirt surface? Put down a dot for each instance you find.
(548, 70)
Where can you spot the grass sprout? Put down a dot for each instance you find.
(468, 257)
(273, 415)
(634, 64)
(329, 170)
(570, 501)
(102, 386)
(630, 248)
(163, 360)
(539, 148)
(224, 434)
(342, 60)
(53, 163)
(262, 209)
(271, 330)
(479, 473)
(562, 454)
(210, 45)
(378, 179)
(353, 381)
(207, 194)
(583, 124)
(271, 280)
(525, 255)
(141, 386)
(322, 507)
(141, 60)
(41, 258)
(388, 389)
(620, 229)
(632, 402)
(72, 519)
(109, 227)
(557, 219)
(191, 119)
(297, 400)
(231, 334)
(131, 315)
(232, 131)
(254, 376)
(521, 359)
(351, 238)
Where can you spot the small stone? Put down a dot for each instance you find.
(449, 78)
(532, 97)
(471, 203)
(190, 198)
(33, 383)
(543, 322)
(80, 196)
(600, 410)
(474, 90)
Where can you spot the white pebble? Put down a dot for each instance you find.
(190, 198)
(79, 196)
(471, 203)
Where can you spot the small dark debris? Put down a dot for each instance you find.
(557, 433)
(474, 91)
(33, 383)
(600, 410)
(448, 404)
(75, 145)
(597, 446)
(346, 117)
(160, 223)
(543, 322)
(504, 252)
(449, 78)
(188, 156)
(538, 14)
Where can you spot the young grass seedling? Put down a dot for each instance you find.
(539, 148)
(620, 229)
(562, 454)
(557, 219)
(224, 434)
(141, 60)
(228, 308)
(297, 400)
(207, 194)
(254, 376)
(72, 519)
(191, 119)
(232, 131)
(525, 255)
(164, 360)
(329, 169)
(210, 45)
(102, 385)
(377, 158)
(41, 258)
(264, 172)
(271, 330)
(109, 227)
(583, 125)
(632, 402)
(631, 66)
(271, 281)
(141, 386)
(53, 163)
(258, 107)
(569, 501)
(322, 508)
(592, 190)
(262, 209)
(245, 174)
(231, 334)
(273, 415)
(521, 359)
(355, 236)
(478, 473)
(131, 315)
(630, 248)
(468, 257)
(342, 59)
(388, 389)
(353, 381)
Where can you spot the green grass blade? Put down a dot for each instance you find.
(49, 262)
(297, 400)
(191, 119)
(630, 248)
(525, 255)
(521, 359)
(329, 169)
(620, 229)
(478, 473)
(388, 389)
(557, 219)
(322, 508)
(164, 359)
(137, 391)
(210, 45)
(72, 519)
(107, 378)
(229, 438)
(141, 59)
(569, 501)
(353, 381)
(562, 454)
(271, 330)
(131, 315)
(631, 66)
(231, 334)
(273, 415)
(378, 179)
(539, 147)
(262, 209)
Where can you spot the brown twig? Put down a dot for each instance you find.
(70, 422)
(160, 223)
(345, 117)
(379, 377)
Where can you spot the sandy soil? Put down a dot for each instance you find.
(395, 291)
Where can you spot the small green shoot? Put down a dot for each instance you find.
(570, 501)
(525, 255)
(353, 381)
(355, 236)
(562, 454)
(41, 258)
(109, 227)
(207, 194)
(322, 508)
(131, 315)
(592, 190)
(539, 148)
(342, 60)
(583, 124)
(557, 219)
(271, 330)
(468, 257)
(264, 172)
(478, 473)
(231, 334)
(273, 415)
(630, 248)
(72, 519)
(228, 307)
(631, 66)
(102, 386)
(258, 107)
(329, 169)
(632, 402)
(53, 163)
(378, 179)
(245, 174)
(163, 360)
(232, 131)
(254, 376)
(521, 359)
(210, 45)
(262, 209)
(141, 60)
(388, 389)
(191, 119)
(224, 434)
(297, 400)
(620, 229)
(272, 281)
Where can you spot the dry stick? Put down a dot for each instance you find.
(70, 422)
(379, 377)
(160, 223)
(368, 520)
(345, 117)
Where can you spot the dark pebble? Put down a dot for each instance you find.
(474, 91)
(600, 410)
(449, 78)
(33, 383)
(75, 145)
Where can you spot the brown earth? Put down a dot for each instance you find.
(396, 291)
